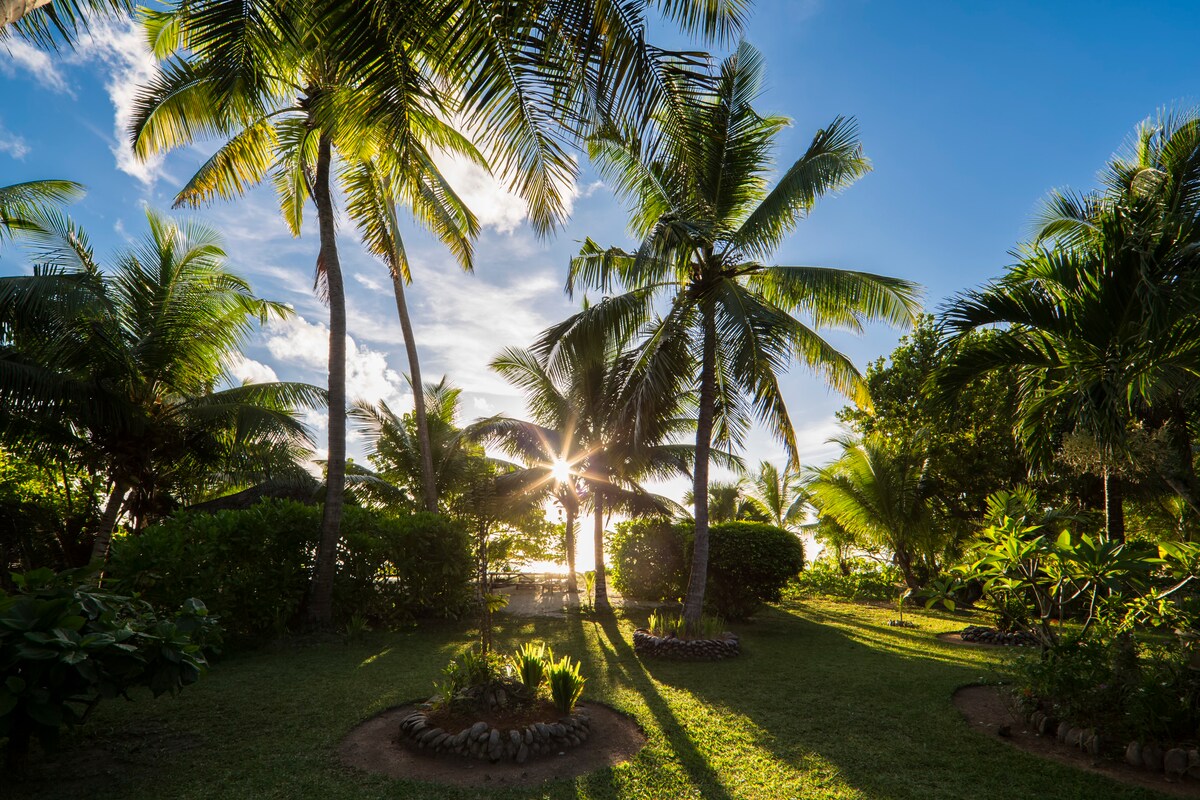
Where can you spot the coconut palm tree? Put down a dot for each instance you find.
(778, 494)
(51, 22)
(117, 368)
(22, 204)
(707, 219)
(877, 491)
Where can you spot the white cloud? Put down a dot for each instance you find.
(25, 56)
(120, 46)
(369, 281)
(493, 204)
(12, 144)
(247, 370)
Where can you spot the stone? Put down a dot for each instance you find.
(1047, 726)
(1152, 757)
(478, 728)
(543, 731)
(1061, 733)
(1133, 754)
(558, 729)
(461, 737)
(1094, 745)
(431, 734)
(439, 741)
(522, 753)
(493, 739)
(1073, 736)
(1194, 764)
(1175, 763)
(514, 737)
(1086, 737)
(528, 737)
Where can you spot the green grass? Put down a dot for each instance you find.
(826, 702)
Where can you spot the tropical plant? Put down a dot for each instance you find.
(565, 678)
(663, 624)
(24, 205)
(649, 558)
(66, 645)
(1097, 317)
(51, 22)
(531, 663)
(115, 370)
(707, 220)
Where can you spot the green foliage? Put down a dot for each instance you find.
(531, 663)
(853, 579)
(664, 624)
(65, 645)
(566, 683)
(252, 566)
(749, 563)
(649, 558)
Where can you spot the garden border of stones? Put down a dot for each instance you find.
(1175, 762)
(980, 634)
(482, 741)
(647, 644)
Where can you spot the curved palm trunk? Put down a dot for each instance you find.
(11, 11)
(601, 602)
(320, 604)
(428, 480)
(108, 521)
(569, 533)
(693, 604)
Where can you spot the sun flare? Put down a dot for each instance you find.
(560, 470)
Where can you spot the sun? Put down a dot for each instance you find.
(560, 470)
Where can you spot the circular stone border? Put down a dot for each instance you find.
(482, 741)
(373, 746)
(647, 644)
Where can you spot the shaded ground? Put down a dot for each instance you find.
(372, 746)
(987, 710)
(546, 595)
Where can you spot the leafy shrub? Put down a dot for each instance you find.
(566, 683)
(749, 563)
(862, 580)
(531, 663)
(65, 645)
(252, 566)
(648, 558)
(664, 624)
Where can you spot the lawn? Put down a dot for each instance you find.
(827, 701)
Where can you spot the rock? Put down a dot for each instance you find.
(1133, 754)
(1047, 726)
(528, 737)
(478, 728)
(1086, 737)
(1152, 757)
(1073, 735)
(543, 732)
(522, 753)
(558, 729)
(1175, 763)
(1194, 764)
(514, 737)
(460, 738)
(439, 741)
(1061, 733)
(493, 739)
(1093, 745)
(431, 734)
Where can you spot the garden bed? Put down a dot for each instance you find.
(724, 646)
(374, 746)
(987, 710)
(496, 739)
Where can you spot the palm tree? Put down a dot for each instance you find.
(706, 220)
(778, 494)
(877, 491)
(49, 22)
(372, 206)
(22, 204)
(117, 369)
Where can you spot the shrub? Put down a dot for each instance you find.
(662, 624)
(530, 663)
(65, 645)
(252, 566)
(566, 684)
(648, 558)
(749, 563)
(862, 580)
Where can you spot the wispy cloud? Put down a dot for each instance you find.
(12, 144)
(39, 64)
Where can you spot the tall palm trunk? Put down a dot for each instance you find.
(1114, 511)
(693, 604)
(320, 605)
(569, 533)
(11, 11)
(108, 521)
(428, 479)
(601, 601)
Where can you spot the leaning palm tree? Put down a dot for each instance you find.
(116, 369)
(707, 220)
(877, 491)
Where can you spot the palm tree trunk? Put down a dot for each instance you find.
(1114, 511)
(693, 604)
(428, 480)
(320, 605)
(601, 602)
(11, 11)
(108, 522)
(569, 533)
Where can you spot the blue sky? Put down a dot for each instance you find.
(969, 111)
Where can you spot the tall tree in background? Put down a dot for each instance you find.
(777, 494)
(706, 219)
(116, 369)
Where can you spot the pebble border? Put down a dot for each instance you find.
(981, 635)
(1175, 762)
(482, 741)
(647, 644)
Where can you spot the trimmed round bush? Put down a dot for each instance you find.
(649, 558)
(252, 566)
(749, 563)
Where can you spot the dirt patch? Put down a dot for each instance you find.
(373, 746)
(954, 638)
(987, 710)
